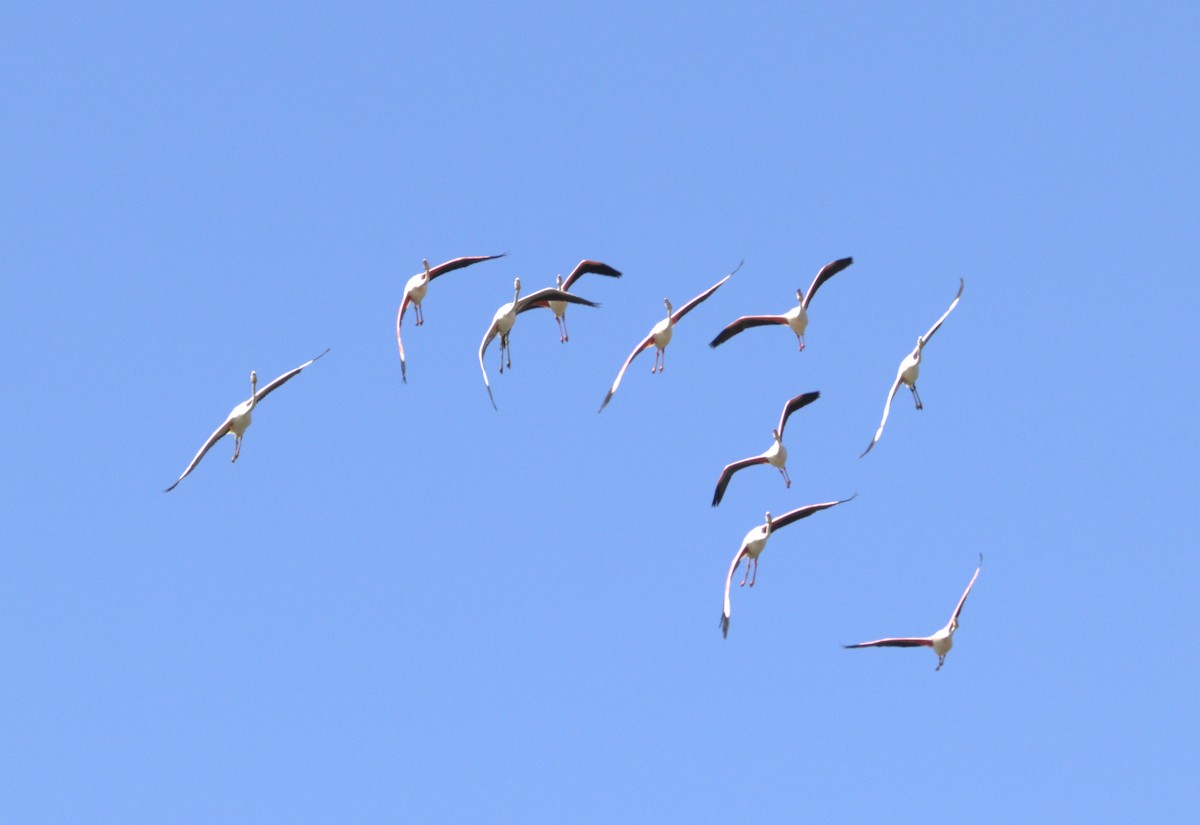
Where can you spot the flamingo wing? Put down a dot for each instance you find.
(958, 608)
(483, 345)
(804, 512)
(729, 578)
(953, 304)
(828, 271)
(586, 267)
(459, 263)
(744, 323)
(703, 296)
(208, 445)
(728, 472)
(643, 344)
(802, 400)
(283, 379)
(399, 341)
(887, 407)
(924, 641)
(543, 297)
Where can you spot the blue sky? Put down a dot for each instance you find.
(401, 604)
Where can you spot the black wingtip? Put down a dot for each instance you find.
(724, 626)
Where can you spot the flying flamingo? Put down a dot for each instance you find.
(660, 335)
(756, 540)
(942, 641)
(796, 318)
(909, 367)
(239, 418)
(776, 455)
(506, 317)
(414, 293)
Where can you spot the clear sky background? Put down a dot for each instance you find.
(400, 604)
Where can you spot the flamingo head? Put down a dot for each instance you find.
(667, 303)
(799, 296)
(768, 521)
(558, 281)
(425, 263)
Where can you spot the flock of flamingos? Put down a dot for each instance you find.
(556, 299)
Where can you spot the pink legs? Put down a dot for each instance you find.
(750, 562)
(505, 347)
(660, 360)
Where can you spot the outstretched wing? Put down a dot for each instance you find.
(794, 404)
(459, 263)
(728, 472)
(703, 296)
(744, 323)
(729, 578)
(399, 342)
(586, 267)
(925, 338)
(805, 512)
(543, 297)
(898, 642)
(208, 445)
(645, 342)
(886, 409)
(958, 608)
(828, 271)
(283, 379)
(487, 339)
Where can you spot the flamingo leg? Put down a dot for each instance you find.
(508, 349)
(420, 319)
(743, 582)
(237, 448)
(800, 339)
(783, 471)
(662, 363)
(917, 397)
(941, 661)
(754, 578)
(566, 336)
(503, 347)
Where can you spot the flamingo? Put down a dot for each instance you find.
(909, 367)
(776, 454)
(660, 335)
(559, 308)
(506, 317)
(942, 641)
(418, 285)
(756, 540)
(796, 318)
(239, 418)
